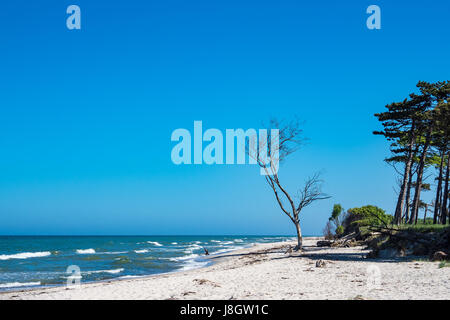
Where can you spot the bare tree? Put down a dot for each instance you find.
(328, 231)
(288, 136)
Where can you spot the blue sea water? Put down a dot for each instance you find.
(31, 261)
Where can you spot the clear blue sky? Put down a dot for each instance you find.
(86, 115)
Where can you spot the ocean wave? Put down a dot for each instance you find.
(25, 255)
(191, 248)
(238, 240)
(85, 251)
(228, 249)
(226, 242)
(130, 277)
(191, 256)
(193, 264)
(105, 271)
(141, 251)
(174, 242)
(19, 284)
(194, 246)
(155, 243)
(112, 252)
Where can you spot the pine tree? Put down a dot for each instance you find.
(400, 124)
(442, 144)
(418, 130)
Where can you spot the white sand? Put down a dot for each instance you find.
(265, 272)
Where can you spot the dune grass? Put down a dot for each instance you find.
(424, 228)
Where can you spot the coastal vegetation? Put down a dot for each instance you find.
(334, 226)
(418, 130)
(370, 226)
(355, 221)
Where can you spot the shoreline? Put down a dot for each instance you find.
(208, 259)
(265, 271)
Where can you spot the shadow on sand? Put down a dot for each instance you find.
(316, 253)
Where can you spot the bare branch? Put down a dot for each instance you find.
(280, 203)
(311, 192)
(268, 156)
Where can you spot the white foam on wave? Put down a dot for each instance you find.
(191, 256)
(174, 242)
(105, 271)
(113, 252)
(19, 284)
(193, 264)
(155, 243)
(190, 248)
(141, 251)
(85, 251)
(188, 262)
(216, 241)
(227, 249)
(238, 240)
(130, 277)
(25, 255)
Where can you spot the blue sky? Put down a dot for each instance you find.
(86, 115)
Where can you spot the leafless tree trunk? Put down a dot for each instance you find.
(288, 142)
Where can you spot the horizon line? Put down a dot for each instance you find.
(153, 235)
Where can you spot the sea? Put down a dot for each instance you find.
(45, 261)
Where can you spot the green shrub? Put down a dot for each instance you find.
(334, 227)
(366, 216)
(339, 230)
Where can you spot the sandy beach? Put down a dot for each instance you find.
(265, 271)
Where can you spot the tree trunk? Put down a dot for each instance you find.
(408, 165)
(408, 197)
(299, 237)
(425, 215)
(437, 202)
(416, 201)
(444, 210)
(417, 217)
